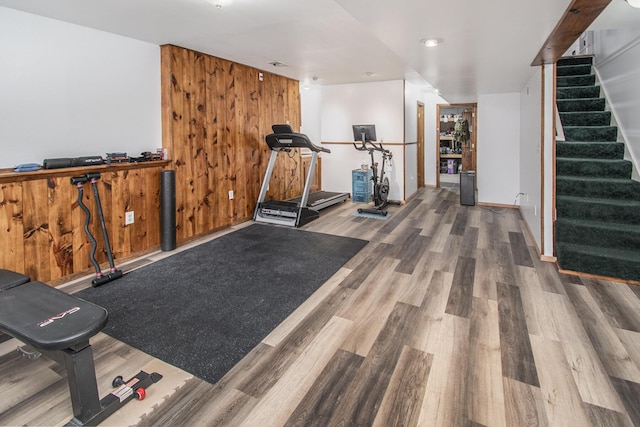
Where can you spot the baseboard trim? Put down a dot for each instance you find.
(497, 205)
(597, 277)
(547, 258)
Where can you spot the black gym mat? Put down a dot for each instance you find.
(205, 308)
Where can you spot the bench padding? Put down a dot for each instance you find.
(47, 318)
(10, 279)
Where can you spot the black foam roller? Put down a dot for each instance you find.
(168, 210)
(57, 163)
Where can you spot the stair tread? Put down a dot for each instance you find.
(595, 179)
(591, 160)
(576, 99)
(588, 142)
(589, 126)
(616, 202)
(575, 87)
(617, 226)
(623, 254)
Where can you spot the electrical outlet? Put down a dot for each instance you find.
(129, 218)
(230, 194)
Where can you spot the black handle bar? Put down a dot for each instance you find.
(374, 147)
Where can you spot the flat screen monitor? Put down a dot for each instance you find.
(364, 133)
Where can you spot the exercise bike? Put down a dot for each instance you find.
(380, 181)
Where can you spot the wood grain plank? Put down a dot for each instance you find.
(11, 227)
(429, 324)
(617, 354)
(629, 392)
(37, 249)
(515, 346)
(414, 247)
(446, 400)
(563, 404)
(276, 406)
(371, 309)
(264, 374)
(316, 407)
(365, 394)
(60, 199)
(487, 405)
(460, 223)
(305, 309)
(485, 278)
(603, 417)
(524, 404)
(618, 303)
(405, 393)
(519, 250)
(460, 297)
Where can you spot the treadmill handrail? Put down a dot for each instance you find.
(280, 141)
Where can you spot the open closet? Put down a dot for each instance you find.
(456, 136)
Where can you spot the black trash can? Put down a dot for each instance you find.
(468, 188)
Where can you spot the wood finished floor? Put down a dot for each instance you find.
(446, 318)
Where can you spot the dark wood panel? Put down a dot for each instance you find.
(575, 20)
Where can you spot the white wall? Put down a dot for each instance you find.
(498, 150)
(379, 103)
(530, 154)
(412, 95)
(70, 91)
(310, 102)
(431, 143)
(618, 68)
(549, 162)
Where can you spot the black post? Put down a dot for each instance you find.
(168, 210)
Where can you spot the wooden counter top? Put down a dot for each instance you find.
(8, 175)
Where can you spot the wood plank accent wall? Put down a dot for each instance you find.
(42, 225)
(215, 116)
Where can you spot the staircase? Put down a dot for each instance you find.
(597, 202)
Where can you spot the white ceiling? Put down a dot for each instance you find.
(488, 45)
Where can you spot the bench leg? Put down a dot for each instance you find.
(83, 386)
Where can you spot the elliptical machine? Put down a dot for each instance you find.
(365, 135)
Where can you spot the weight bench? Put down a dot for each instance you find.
(59, 326)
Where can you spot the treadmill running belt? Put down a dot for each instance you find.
(322, 199)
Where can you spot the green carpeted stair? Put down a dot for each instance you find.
(597, 202)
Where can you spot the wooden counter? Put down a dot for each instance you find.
(42, 225)
(8, 175)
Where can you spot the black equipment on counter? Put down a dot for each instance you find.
(68, 162)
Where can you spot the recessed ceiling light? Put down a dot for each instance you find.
(369, 74)
(220, 3)
(431, 42)
(634, 3)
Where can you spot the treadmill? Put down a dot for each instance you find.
(297, 211)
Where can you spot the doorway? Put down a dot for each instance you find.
(420, 154)
(456, 150)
